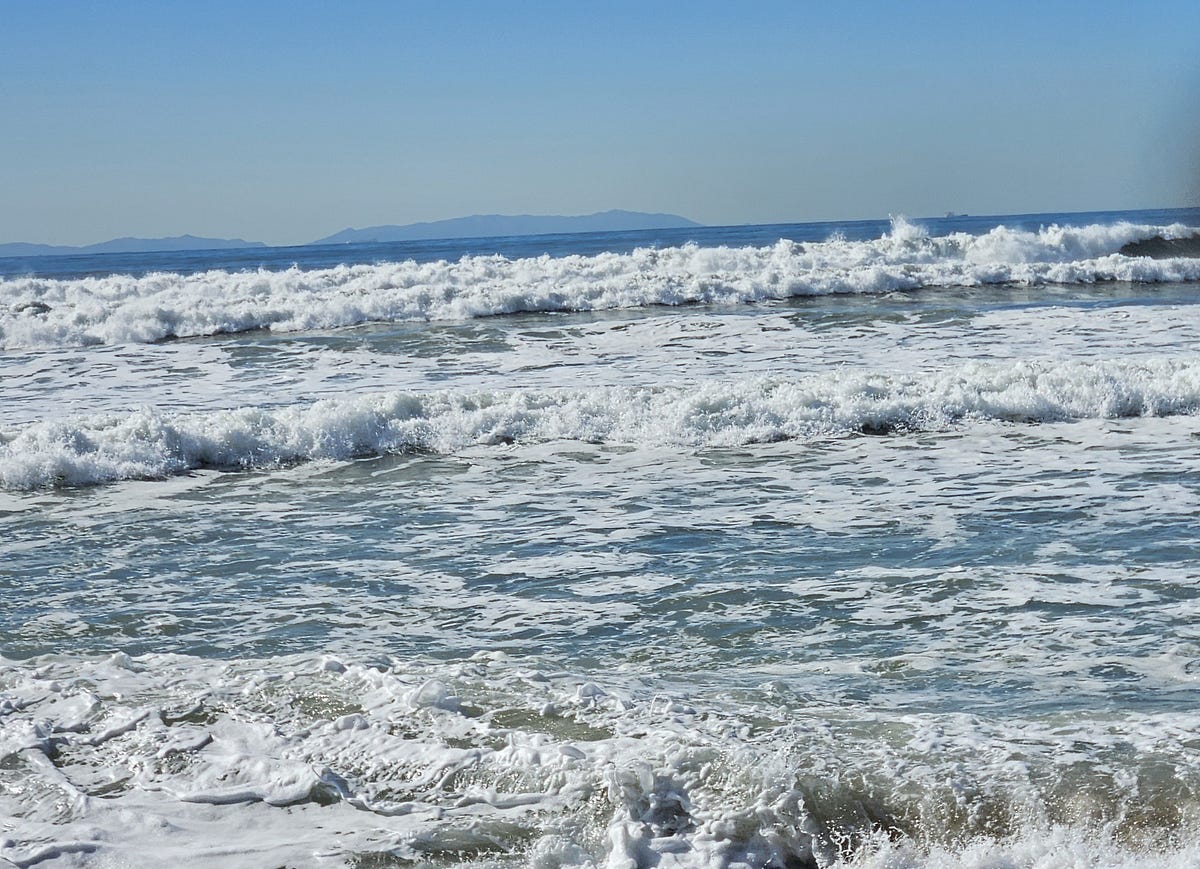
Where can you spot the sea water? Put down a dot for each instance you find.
(869, 544)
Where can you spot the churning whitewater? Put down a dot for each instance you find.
(149, 443)
(866, 546)
(115, 309)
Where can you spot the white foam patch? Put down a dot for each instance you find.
(38, 312)
(149, 443)
(309, 761)
(680, 346)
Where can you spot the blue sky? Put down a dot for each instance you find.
(284, 122)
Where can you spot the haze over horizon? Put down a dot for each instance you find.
(151, 121)
(468, 226)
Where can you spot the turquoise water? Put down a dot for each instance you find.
(823, 569)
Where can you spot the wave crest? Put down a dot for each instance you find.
(38, 312)
(149, 443)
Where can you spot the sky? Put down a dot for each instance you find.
(285, 122)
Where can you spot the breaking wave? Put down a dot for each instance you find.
(39, 312)
(150, 443)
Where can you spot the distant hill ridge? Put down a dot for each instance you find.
(490, 225)
(128, 245)
(475, 226)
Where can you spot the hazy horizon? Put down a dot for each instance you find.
(110, 245)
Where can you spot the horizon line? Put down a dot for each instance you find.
(241, 243)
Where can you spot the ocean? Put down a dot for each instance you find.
(865, 544)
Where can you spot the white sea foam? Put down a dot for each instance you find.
(312, 761)
(150, 443)
(117, 309)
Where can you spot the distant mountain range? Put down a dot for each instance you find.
(128, 245)
(491, 225)
(476, 226)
